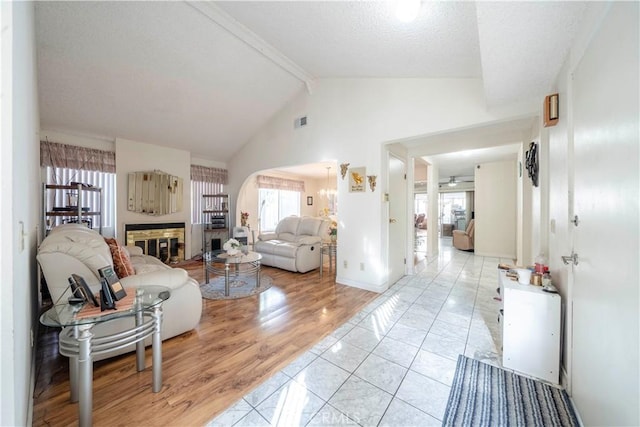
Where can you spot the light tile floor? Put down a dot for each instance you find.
(392, 364)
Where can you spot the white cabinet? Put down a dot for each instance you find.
(531, 330)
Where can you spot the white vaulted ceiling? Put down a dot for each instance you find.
(205, 76)
(364, 39)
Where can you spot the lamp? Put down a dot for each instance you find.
(452, 182)
(260, 214)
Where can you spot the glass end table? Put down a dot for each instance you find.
(329, 249)
(79, 344)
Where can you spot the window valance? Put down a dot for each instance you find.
(206, 174)
(276, 183)
(57, 155)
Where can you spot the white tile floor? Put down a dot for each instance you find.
(392, 364)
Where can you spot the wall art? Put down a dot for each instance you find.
(343, 169)
(532, 163)
(372, 182)
(357, 178)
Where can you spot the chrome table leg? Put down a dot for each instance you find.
(157, 350)
(85, 377)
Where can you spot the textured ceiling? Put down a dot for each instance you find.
(524, 45)
(155, 72)
(364, 39)
(204, 77)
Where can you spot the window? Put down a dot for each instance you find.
(104, 180)
(198, 188)
(277, 198)
(420, 203)
(205, 180)
(273, 205)
(452, 209)
(64, 163)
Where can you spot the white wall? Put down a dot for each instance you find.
(349, 120)
(19, 211)
(134, 156)
(495, 204)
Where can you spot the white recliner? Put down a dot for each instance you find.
(74, 248)
(295, 245)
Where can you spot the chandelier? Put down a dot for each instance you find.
(328, 192)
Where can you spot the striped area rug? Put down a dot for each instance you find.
(484, 395)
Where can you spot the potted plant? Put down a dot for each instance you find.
(333, 231)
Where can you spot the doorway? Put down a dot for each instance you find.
(420, 206)
(453, 212)
(396, 251)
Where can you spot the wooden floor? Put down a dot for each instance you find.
(237, 345)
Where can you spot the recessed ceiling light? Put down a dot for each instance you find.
(407, 10)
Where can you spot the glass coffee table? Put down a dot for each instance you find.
(232, 267)
(78, 343)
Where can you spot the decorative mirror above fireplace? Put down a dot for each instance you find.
(154, 193)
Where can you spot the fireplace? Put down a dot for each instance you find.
(164, 241)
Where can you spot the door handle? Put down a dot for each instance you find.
(392, 221)
(575, 220)
(570, 259)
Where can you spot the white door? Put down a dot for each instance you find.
(397, 219)
(605, 364)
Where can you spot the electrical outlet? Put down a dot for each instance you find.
(362, 266)
(345, 263)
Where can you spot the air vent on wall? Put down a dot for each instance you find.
(300, 122)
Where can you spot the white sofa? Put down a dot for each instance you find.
(74, 248)
(295, 245)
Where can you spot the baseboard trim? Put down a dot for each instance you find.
(564, 379)
(575, 411)
(494, 255)
(564, 382)
(33, 375)
(360, 285)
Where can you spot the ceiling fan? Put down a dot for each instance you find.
(455, 180)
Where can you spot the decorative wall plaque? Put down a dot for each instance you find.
(357, 180)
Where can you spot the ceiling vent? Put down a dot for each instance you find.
(300, 122)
